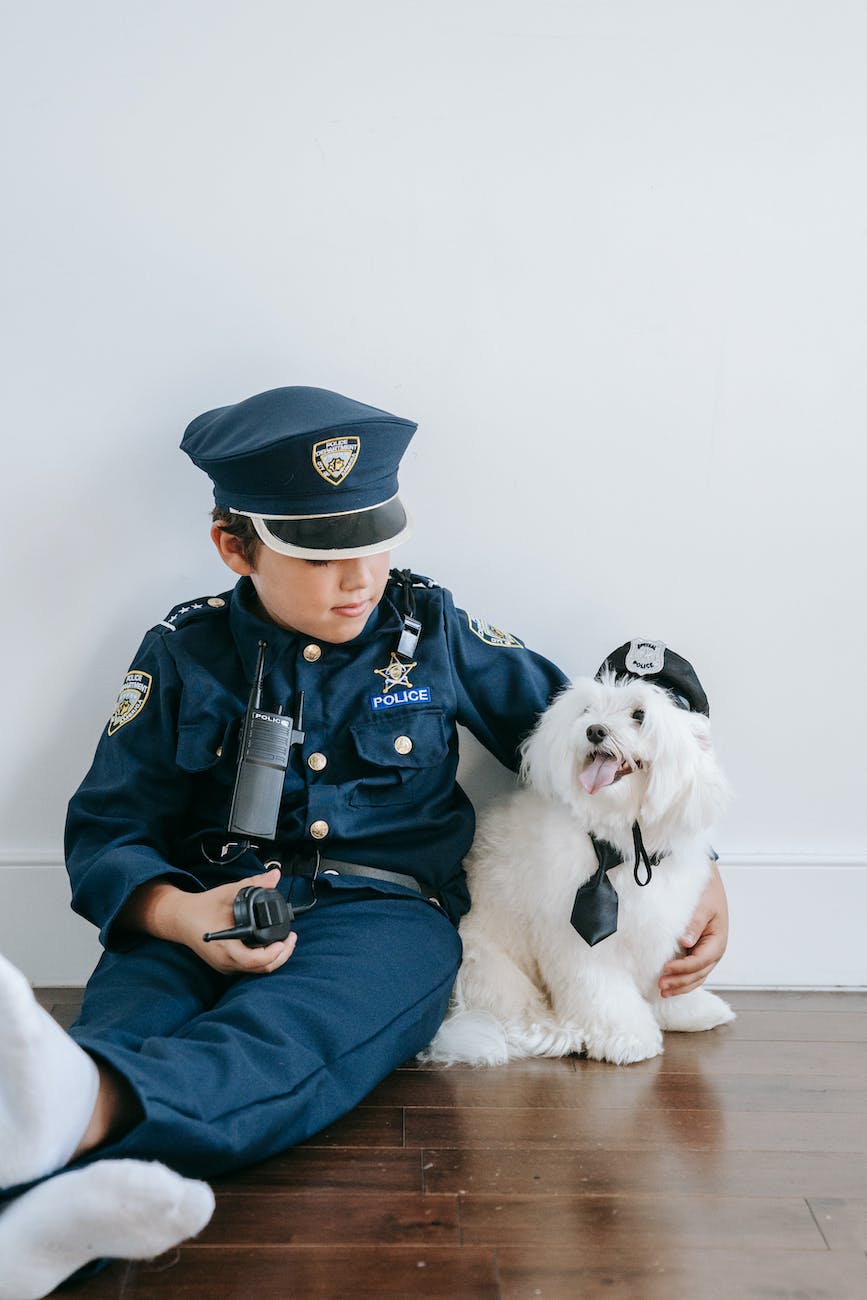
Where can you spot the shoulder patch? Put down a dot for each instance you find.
(493, 635)
(131, 699)
(185, 613)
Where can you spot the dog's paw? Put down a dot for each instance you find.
(691, 1012)
(623, 1046)
(468, 1037)
(545, 1038)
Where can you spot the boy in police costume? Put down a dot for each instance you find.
(193, 1056)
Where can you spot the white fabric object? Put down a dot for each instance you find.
(116, 1209)
(48, 1085)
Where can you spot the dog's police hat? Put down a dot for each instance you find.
(315, 472)
(655, 662)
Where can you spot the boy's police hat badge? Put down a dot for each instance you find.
(654, 662)
(315, 472)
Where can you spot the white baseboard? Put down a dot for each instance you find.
(796, 922)
(38, 930)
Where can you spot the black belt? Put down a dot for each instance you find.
(313, 865)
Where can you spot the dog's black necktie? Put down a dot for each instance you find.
(594, 912)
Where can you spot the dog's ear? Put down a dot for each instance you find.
(669, 764)
(548, 753)
(701, 730)
(686, 788)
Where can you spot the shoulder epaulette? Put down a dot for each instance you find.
(415, 579)
(419, 580)
(192, 610)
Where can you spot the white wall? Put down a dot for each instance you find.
(610, 254)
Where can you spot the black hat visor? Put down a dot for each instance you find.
(335, 537)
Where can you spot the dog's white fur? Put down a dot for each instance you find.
(529, 984)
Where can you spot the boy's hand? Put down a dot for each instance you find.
(163, 910)
(705, 941)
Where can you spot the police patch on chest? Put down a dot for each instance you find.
(408, 695)
(397, 688)
(131, 700)
(493, 635)
(334, 458)
(396, 672)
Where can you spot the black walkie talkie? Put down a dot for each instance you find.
(266, 740)
(261, 916)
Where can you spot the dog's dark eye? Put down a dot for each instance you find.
(638, 716)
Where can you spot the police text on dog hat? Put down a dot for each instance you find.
(655, 662)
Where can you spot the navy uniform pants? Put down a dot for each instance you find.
(231, 1069)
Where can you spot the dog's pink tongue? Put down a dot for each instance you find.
(600, 772)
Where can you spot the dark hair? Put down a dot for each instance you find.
(239, 526)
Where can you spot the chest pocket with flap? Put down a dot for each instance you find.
(395, 750)
(202, 746)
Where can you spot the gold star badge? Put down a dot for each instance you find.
(396, 673)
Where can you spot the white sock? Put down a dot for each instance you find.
(115, 1209)
(48, 1085)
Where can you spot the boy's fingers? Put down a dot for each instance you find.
(704, 955)
(226, 893)
(264, 960)
(682, 974)
(677, 987)
(686, 973)
(697, 929)
(258, 879)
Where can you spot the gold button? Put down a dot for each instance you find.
(216, 603)
(319, 830)
(312, 653)
(219, 751)
(317, 762)
(403, 744)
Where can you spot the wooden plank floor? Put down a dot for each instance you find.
(732, 1166)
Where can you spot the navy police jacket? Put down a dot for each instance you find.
(372, 783)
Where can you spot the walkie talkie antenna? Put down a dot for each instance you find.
(256, 692)
(253, 704)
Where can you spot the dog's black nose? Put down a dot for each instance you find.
(596, 735)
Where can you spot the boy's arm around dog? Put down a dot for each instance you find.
(711, 924)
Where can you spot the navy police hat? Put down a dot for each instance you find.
(655, 662)
(314, 471)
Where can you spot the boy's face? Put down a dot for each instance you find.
(328, 600)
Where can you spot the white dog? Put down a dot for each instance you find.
(619, 762)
